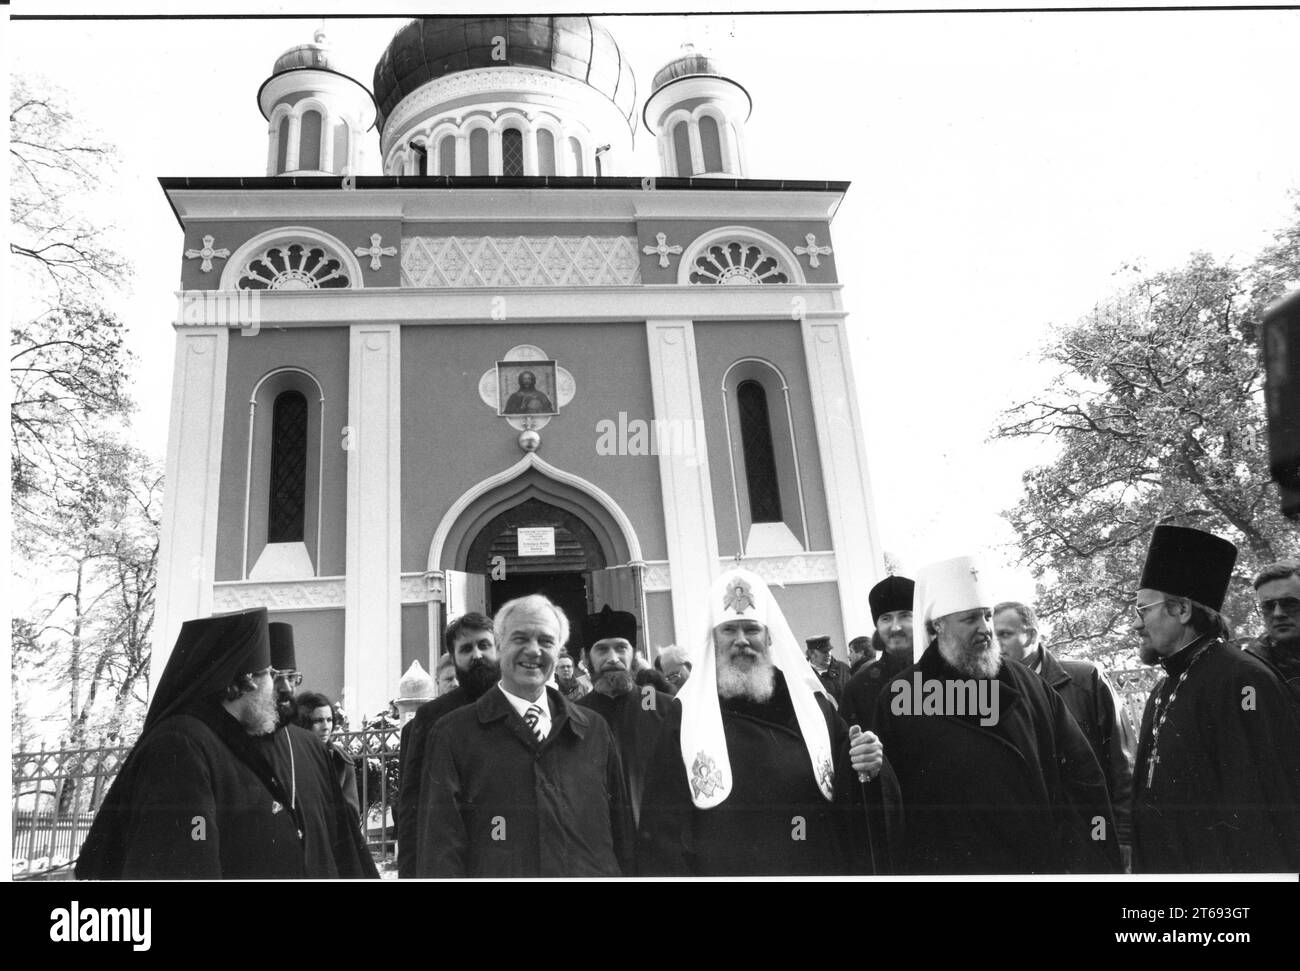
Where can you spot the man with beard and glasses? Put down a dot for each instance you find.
(1092, 701)
(472, 645)
(995, 773)
(197, 799)
(292, 752)
(1217, 780)
(753, 774)
(891, 611)
(523, 783)
(634, 713)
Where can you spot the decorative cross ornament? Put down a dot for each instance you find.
(812, 250)
(207, 253)
(663, 249)
(375, 251)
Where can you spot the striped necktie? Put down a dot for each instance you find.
(532, 718)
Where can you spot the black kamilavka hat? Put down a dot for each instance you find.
(1189, 563)
(890, 594)
(610, 623)
(282, 655)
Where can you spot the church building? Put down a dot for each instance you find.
(500, 360)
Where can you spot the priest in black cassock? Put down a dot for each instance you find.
(1217, 780)
(197, 798)
(891, 611)
(633, 712)
(294, 753)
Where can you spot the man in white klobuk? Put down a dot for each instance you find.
(753, 773)
(1008, 786)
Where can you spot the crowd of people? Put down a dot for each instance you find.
(954, 741)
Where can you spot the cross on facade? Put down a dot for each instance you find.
(812, 250)
(207, 253)
(375, 251)
(663, 249)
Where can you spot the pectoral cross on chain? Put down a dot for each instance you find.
(1151, 768)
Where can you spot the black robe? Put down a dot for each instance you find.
(635, 720)
(1023, 795)
(332, 842)
(1225, 796)
(858, 704)
(197, 799)
(775, 822)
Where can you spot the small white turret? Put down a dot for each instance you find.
(698, 115)
(317, 115)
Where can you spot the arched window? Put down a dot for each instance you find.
(447, 155)
(711, 143)
(478, 152)
(575, 157)
(287, 505)
(760, 457)
(512, 152)
(421, 159)
(545, 152)
(309, 144)
(282, 146)
(682, 149)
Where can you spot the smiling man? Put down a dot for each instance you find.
(753, 773)
(523, 783)
(1015, 789)
(1217, 779)
(891, 611)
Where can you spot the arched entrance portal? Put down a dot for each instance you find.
(537, 547)
(534, 528)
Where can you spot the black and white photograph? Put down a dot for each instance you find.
(918, 499)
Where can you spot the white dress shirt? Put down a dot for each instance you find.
(521, 706)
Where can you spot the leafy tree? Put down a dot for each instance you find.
(1156, 408)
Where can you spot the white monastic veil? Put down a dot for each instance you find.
(740, 594)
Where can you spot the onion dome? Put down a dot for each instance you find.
(315, 54)
(429, 48)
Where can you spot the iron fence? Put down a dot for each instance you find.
(377, 756)
(55, 797)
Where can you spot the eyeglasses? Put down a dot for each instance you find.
(1289, 605)
(293, 677)
(1141, 609)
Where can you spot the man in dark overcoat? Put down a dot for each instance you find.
(1092, 701)
(1217, 780)
(197, 798)
(995, 774)
(472, 645)
(523, 783)
(753, 774)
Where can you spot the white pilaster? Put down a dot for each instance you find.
(373, 640)
(188, 540)
(462, 154)
(854, 534)
(684, 478)
(295, 137)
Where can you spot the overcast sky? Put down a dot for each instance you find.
(1003, 167)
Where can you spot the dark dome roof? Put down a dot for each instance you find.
(690, 64)
(432, 47)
